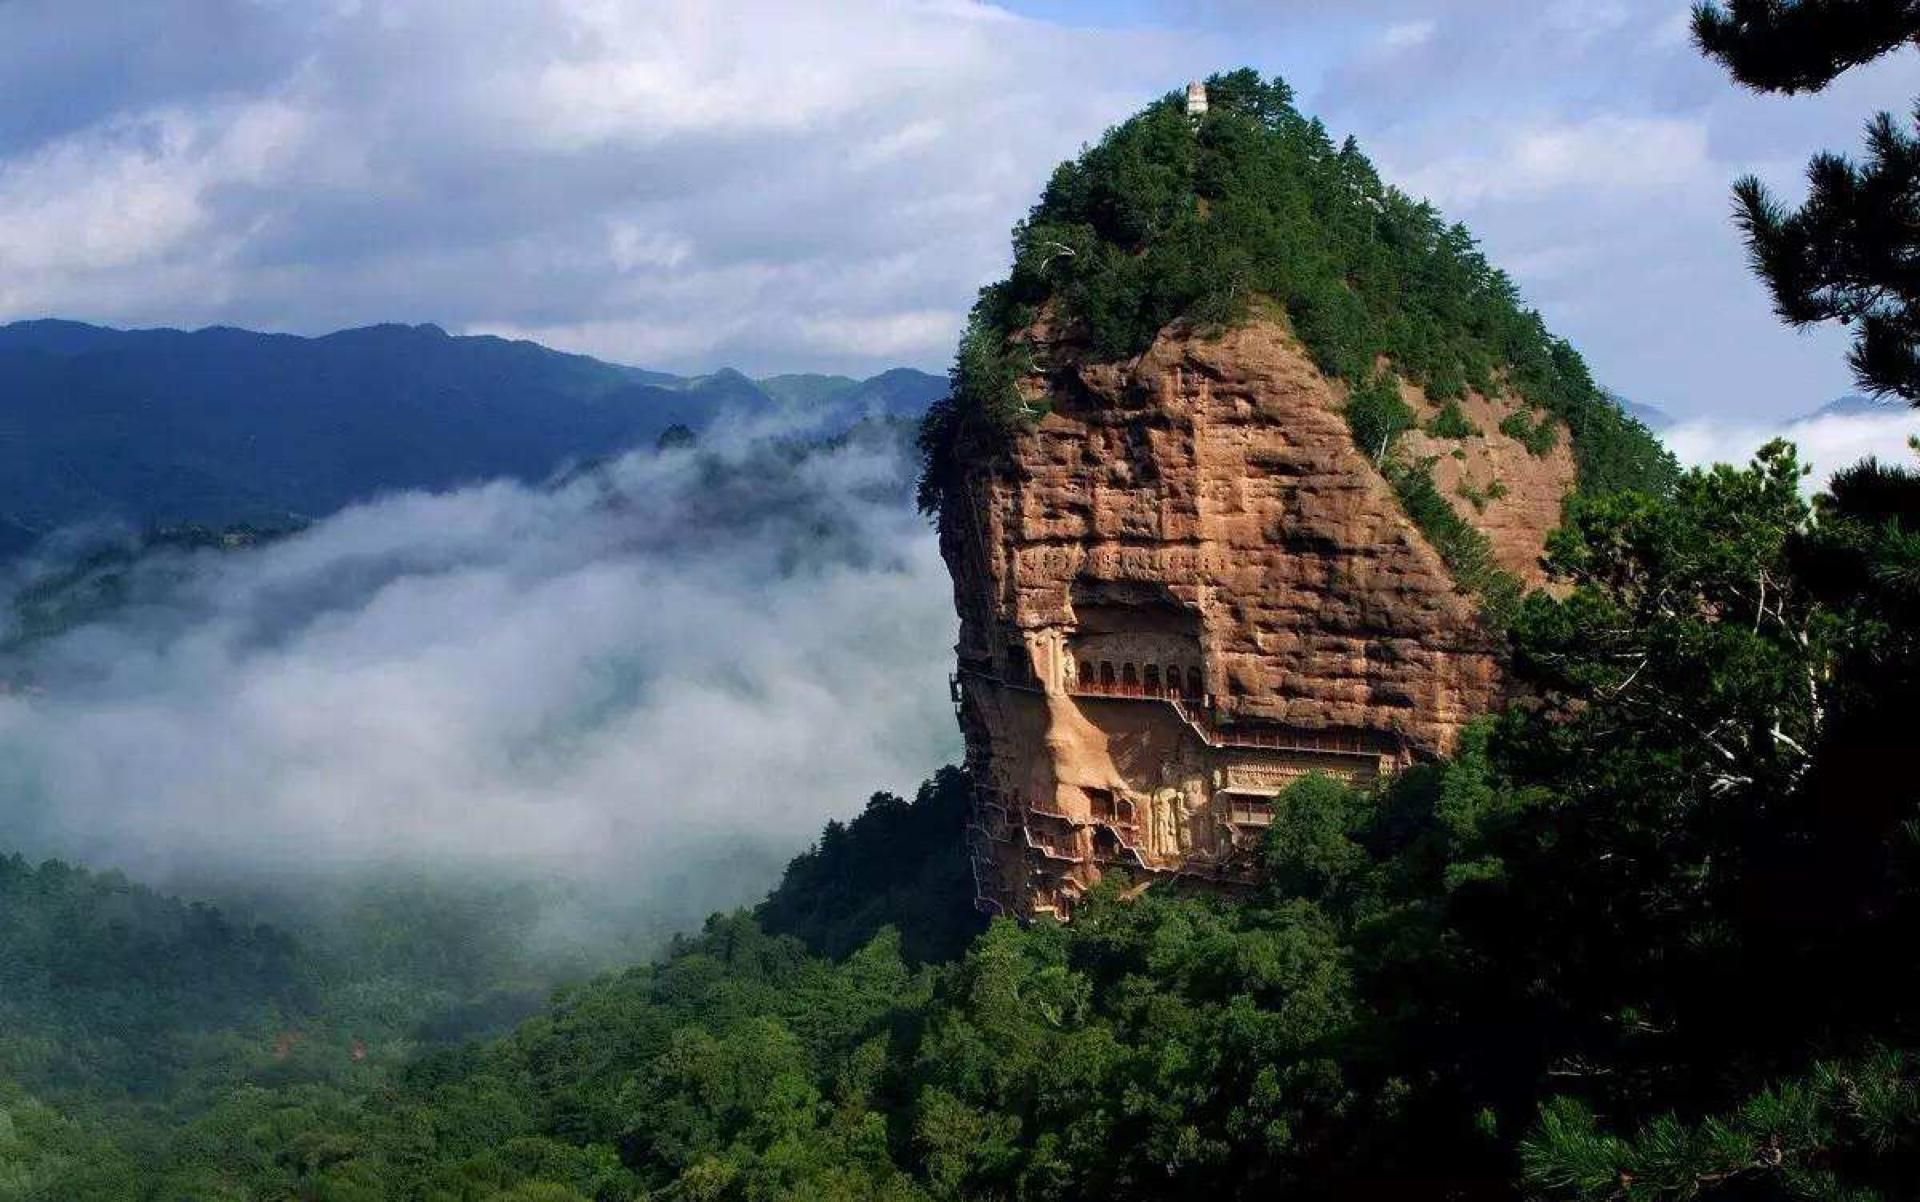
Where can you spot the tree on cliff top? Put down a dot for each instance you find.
(1164, 221)
(1847, 253)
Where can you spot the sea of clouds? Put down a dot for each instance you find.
(1826, 442)
(651, 681)
(654, 681)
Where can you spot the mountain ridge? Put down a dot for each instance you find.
(223, 425)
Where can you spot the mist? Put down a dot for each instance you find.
(1826, 443)
(629, 695)
(644, 686)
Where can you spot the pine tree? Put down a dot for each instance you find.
(1801, 45)
(1848, 254)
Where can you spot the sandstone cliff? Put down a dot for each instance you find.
(1185, 586)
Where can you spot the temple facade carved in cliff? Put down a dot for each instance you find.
(1183, 589)
(1090, 760)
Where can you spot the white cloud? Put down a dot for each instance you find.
(686, 180)
(1675, 32)
(634, 247)
(1591, 148)
(556, 166)
(886, 333)
(134, 190)
(1583, 19)
(1826, 443)
(1404, 35)
(1603, 154)
(625, 682)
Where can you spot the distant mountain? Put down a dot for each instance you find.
(222, 425)
(1851, 405)
(899, 392)
(1855, 405)
(1647, 415)
(807, 388)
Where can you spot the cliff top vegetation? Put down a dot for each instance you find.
(1171, 218)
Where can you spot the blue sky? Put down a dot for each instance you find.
(687, 183)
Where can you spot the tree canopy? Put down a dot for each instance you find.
(1165, 220)
(1645, 936)
(1847, 253)
(1801, 45)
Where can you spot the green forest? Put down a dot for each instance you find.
(1646, 937)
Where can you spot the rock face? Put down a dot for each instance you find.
(1185, 587)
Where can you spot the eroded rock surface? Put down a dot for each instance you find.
(1185, 587)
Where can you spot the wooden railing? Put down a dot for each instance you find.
(1052, 846)
(1247, 813)
(1118, 688)
(953, 682)
(980, 862)
(1323, 742)
(1197, 711)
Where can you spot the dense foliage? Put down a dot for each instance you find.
(894, 866)
(1167, 221)
(1846, 253)
(126, 1016)
(1801, 45)
(1646, 936)
(104, 981)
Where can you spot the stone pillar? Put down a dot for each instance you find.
(1047, 647)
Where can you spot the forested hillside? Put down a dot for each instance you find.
(222, 426)
(107, 983)
(1205, 221)
(127, 1015)
(1177, 224)
(1645, 937)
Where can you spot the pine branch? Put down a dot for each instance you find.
(1801, 45)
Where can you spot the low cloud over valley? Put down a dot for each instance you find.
(1826, 441)
(655, 680)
